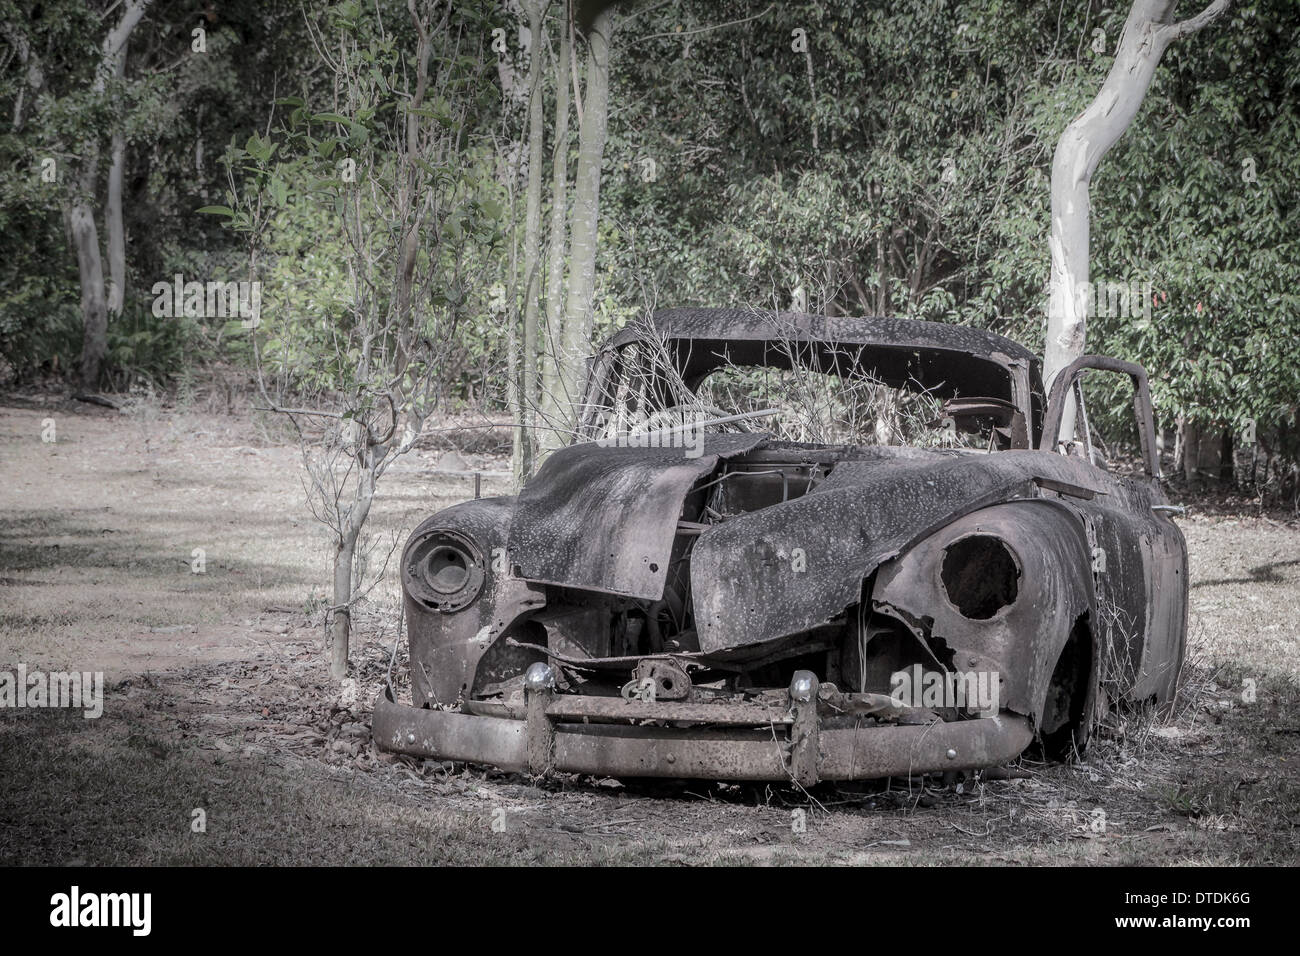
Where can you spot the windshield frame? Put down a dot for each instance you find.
(697, 358)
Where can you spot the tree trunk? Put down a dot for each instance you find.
(1179, 434)
(408, 202)
(345, 547)
(514, 401)
(81, 217)
(341, 626)
(832, 289)
(1227, 457)
(585, 220)
(551, 408)
(113, 210)
(116, 232)
(882, 271)
(1204, 458)
(532, 237)
(1190, 446)
(90, 271)
(34, 74)
(1148, 30)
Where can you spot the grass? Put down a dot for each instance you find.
(220, 700)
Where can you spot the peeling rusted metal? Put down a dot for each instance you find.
(721, 714)
(842, 753)
(864, 514)
(805, 729)
(738, 613)
(604, 519)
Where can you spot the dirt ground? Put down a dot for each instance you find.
(223, 741)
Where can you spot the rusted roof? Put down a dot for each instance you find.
(763, 325)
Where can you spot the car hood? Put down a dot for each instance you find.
(605, 519)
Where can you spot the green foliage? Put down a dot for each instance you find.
(145, 349)
(1175, 205)
(890, 168)
(40, 317)
(900, 164)
(928, 187)
(317, 200)
(173, 107)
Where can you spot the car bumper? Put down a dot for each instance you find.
(720, 742)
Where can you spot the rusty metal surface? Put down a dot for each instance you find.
(577, 570)
(805, 731)
(951, 359)
(1141, 403)
(447, 649)
(744, 589)
(853, 754)
(620, 751)
(604, 519)
(1020, 643)
(495, 741)
(759, 325)
(577, 707)
(669, 678)
(842, 753)
(540, 731)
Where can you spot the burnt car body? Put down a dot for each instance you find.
(741, 606)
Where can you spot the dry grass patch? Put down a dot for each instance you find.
(221, 700)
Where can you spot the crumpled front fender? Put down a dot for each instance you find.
(448, 647)
(790, 567)
(1021, 642)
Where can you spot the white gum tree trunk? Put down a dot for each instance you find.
(1148, 31)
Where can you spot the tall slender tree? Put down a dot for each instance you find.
(532, 284)
(1148, 31)
(584, 223)
(81, 212)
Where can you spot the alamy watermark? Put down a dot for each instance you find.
(130, 910)
(73, 689)
(667, 429)
(964, 690)
(1120, 300)
(208, 300)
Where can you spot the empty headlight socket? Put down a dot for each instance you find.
(444, 570)
(980, 574)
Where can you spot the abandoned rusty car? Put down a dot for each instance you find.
(791, 547)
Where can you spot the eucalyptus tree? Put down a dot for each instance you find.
(1150, 28)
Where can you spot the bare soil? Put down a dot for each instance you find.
(219, 698)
